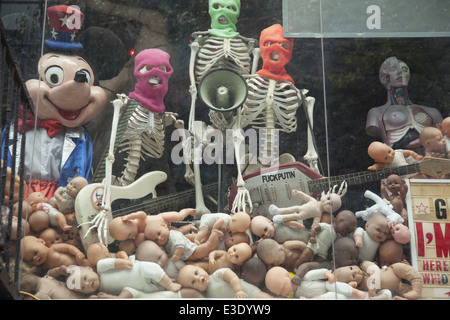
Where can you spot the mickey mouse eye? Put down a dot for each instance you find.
(54, 75)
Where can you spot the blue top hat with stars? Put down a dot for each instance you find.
(64, 23)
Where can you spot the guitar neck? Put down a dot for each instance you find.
(358, 178)
(168, 202)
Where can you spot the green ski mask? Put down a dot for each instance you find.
(224, 14)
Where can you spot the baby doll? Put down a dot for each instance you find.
(37, 253)
(233, 238)
(235, 256)
(432, 139)
(445, 128)
(223, 283)
(317, 284)
(345, 254)
(323, 235)
(150, 251)
(386, 157)
(376, 230)
(63, 200)
(114, 274)
(392, 278)
(399, 231)
(329, 203)
(264, 228)
(38, 220)
(395, 190)
(237, 222)
(132, 226)
(390, 252)
(276, 254)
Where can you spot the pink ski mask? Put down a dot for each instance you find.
(152, 71)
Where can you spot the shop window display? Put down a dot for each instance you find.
(323, 95)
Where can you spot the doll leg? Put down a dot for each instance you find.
(208, 246)
(201, 235)
(306, 256)
(62, 222)
(308, 266)
(275, 210)
(410, 274)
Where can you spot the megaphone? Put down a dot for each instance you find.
(223, 90)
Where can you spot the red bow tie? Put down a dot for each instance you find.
(53, 127)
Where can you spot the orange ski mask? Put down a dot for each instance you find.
(276, 52)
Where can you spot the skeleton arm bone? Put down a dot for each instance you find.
(311, 154)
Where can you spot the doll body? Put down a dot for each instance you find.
(223, 283)
(217, 259)
(386, 157)
(368, 239)
(36, 252)
(237, 222)
(276, 254)
(265, 228)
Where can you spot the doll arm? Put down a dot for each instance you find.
(123, 263)
(376, 166)
(177, 254)
(168, 284)
(58, 195)
(140, 215)
(302, 195)
(358, 237)
(313, 231)
(140, 237)
(408, 153)
(294, 244)
(234, 281)
(215, 254)
(175, 216)
(294, 224)
(68, 248)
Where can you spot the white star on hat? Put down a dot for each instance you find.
(63, 21)
(54, 33)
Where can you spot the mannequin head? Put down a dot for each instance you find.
(394, 73)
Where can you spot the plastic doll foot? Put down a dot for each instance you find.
(273, 210)
(66, 227)
(277, 219)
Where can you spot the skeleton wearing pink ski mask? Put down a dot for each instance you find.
(152, 71)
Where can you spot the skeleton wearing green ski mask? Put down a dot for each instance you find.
(224, 14)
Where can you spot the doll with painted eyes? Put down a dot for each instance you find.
(386, 157)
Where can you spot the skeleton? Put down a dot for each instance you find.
(219, 47)
(271, 106)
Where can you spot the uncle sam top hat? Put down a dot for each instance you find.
(64, 23)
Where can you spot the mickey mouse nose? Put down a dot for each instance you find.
(80, 77)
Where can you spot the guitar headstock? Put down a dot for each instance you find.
(434, 166)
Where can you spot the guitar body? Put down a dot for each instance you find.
(274, 185)
(89, 199)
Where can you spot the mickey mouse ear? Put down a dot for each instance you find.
(64, 23)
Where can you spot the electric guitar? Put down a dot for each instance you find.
(274, 185)
(140, 195)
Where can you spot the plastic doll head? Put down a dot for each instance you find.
(377, 227)
(278, 281)
(445, 127)
(349, 274)
(346, 253)
(276, 52)
(262, 227)
(330, 202)
(50, 236)
(150, 251)
(83, 279)
(39, 220)
(271, 252)
(239, 253)
(122, 230)
(128, 246)
(394, 183)
(75, 185)
(394, 73)
(35, 198)
(26, 209)
(390, 252)
(345, 222)
(66, 92)
(191, 276)
(233, 238)
(158, 232)
(381, 152)
(401, 233)
(152, 71)
(254, 271)
(224, 15)
(25, 228)
(239, 222)
(96, 252)
(35, 250)
(432, 139)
